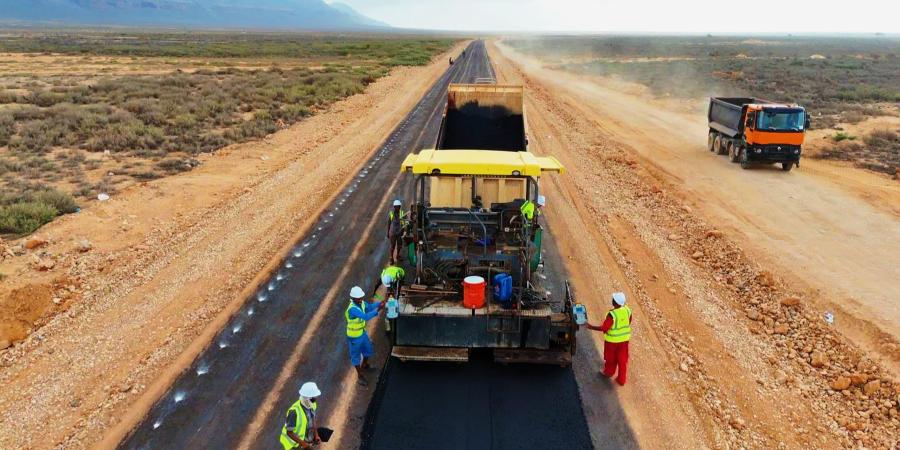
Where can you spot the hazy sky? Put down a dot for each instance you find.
(764, 16)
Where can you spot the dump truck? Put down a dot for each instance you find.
(473, 260)
(751, 130)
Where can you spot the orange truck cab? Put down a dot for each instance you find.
(752, 130)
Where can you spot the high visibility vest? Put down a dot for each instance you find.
(395, 272)
(355, 327)
(299, 426)
(527, 209)
(621, 328)
(403, 219)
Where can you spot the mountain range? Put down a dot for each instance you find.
(252, 14)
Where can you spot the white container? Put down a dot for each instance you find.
(580, 313)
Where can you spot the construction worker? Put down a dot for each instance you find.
(299, 430)
(390, 278)
(530, 209)
(397, 221)
(359, 312)
(617, 332)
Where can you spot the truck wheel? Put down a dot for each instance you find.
(733, 152)
(717, 145)
(787, 166)
(745, 160)
(711, 141)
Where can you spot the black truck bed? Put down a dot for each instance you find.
(483, 117)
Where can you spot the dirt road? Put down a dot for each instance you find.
(734, 355)
(814, 225)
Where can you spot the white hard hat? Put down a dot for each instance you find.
(619, 298)
(541, 200)
(310, 390)
(357, 292)
(398, 203)
(387, 279)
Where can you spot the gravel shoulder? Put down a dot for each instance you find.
(736, 355)
(164, 263)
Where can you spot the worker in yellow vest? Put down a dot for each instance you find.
(390, 278)
(617, 333)
(359, 312)
(299, 429)
(398, 219)
(530, 210)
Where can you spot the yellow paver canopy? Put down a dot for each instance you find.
(480, 163)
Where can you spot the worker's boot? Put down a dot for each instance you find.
(361, 377)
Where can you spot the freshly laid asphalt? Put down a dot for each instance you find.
(479, 405)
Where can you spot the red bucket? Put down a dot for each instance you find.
(473, 292)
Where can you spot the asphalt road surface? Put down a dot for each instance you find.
(469, 406)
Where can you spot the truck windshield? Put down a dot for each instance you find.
(781, 120)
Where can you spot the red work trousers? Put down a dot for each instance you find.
(615, 355)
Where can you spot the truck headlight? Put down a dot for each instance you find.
(759, 150)
(796, 152)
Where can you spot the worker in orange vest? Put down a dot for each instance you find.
(617, 332)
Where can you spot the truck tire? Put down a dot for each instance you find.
(787, 166)
(733, 150)
(745, 160)
(717, 145)
(711, 141)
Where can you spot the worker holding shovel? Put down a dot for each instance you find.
(617, 332)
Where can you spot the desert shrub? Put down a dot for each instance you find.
(145, 175)
(866, 92)
(37, 136)
(882, 137)
(62, 202)
(44, 98)
(174, 165)
(6, 128)
(25, 217)
(10, 165)
(125, 136)
(291, 113)
(842, 136)
(183, 123)
(7, 97)
(258, 127)
(855, 117)
(28, 112)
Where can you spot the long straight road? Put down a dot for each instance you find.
(292, 330)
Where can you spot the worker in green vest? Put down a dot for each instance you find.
(530, 209)
(398, 219)
(390, 278)
(299, 429)
(617, 332)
